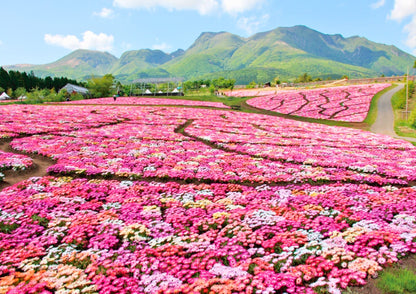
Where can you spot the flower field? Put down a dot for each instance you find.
(222, 146)
(250, 92)
(346, 103)
(175, 200)
(148, 101)
(14, 161)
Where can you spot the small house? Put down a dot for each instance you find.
(72, 89)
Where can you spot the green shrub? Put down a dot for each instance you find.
(412, 119)
(252, 85)
(399, 99)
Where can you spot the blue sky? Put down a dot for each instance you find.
(39, 32)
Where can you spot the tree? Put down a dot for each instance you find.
(252, 85)
(100, 86)
(19, 92)
(414, 65)
(4, 79)
(304, 78)
(276, 81)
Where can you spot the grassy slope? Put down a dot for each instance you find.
(401, 126)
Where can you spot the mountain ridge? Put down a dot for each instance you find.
(286, 52)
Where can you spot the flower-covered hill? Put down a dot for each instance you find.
(200, 201)
(212, 146)
(147, 101)
(18, 120)
(345, 103)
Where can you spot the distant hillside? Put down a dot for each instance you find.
(284, 52)
(133, 63)
(78, 65)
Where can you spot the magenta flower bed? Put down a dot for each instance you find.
(204, 201)
(315, 145)
(346, 103)
(148, 101)
(222, 146)
(137, 237)
(18, 120)
(14, 161)
(250, 93)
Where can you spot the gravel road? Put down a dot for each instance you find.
(384, 123)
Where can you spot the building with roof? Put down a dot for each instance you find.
(70, 88)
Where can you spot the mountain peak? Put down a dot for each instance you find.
(286, 52)
(210, 40)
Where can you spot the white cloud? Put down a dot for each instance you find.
(163, 47)
(404, 9)
(202, 6)
(234, 7)
(378, 4)
(105, 13)
(252, 24)
(411, 37)
(89, 40)
(1, 43)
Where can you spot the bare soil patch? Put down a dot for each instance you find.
(39, 168)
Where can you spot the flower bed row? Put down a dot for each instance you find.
(74, 235)
(250, 92)
(346, 103)
(335, 147)
(171, 156)
(18, 120)
(223, 146)
(148, 101)
(16, 162)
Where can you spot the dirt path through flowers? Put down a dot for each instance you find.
(384, 123)
(39, 168)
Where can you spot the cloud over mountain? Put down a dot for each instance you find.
(90, 40)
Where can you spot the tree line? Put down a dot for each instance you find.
(219, 83)
(12, 80)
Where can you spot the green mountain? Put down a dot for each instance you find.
(284, 52)
(206, 55)
(79, 64)
(289, 52)
(143, 63)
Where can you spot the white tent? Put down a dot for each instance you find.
(4, 96)
(148, 91)
(175, 90)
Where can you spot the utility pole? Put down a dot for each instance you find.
(407, 94)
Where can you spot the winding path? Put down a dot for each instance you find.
(39, 168)
(384, 123)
